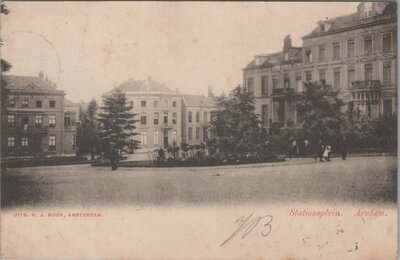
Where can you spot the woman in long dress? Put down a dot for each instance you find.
(327, 152)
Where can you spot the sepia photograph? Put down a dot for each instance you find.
(198, 130)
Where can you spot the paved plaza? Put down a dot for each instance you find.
(356, 180)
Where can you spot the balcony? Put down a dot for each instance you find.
(34, 128)
(283, 92)
(365, 85)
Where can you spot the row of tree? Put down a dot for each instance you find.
(237, 132)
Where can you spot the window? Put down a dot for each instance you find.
(368, 45)
(24, 141)
(387, 73)
(336, 78)
(131, 104)
(190, 134)
(165, 118)
(197, 133)
(286, 80)
(322, 76)
(350, 75)
(205, 133)
(299, 83)
(25, 103)
(174, 118)
(387, 42)
(11, 120)
(52, 104)
(38, 103)
(165, 103)
(25, 122)
(264, 115)
(368, 71)
(143, 103)
(52, 120)
(73, 141)
(155, 138)
(205, 117)
(11, 103)
(387, 107)
(250, 86)
(143, 138)
(155, 103)
(350, 48)
(190, 116)
(197, 116)
(308, 56)
(308, 75)
(174, 104)
(336, 51)
(11, 141)
(275, 82)
(143, 119)
(174, 135)
(52, 143)
(38, 120)
(156, 118)
(67, 121)
(264, 86)
(322, 52)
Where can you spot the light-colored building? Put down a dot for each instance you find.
(272, 79)
(196, 114)
(37, 119)
(355, 54)
(162, 114)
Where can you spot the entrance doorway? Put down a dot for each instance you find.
(165, 138)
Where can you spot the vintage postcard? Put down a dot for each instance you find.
(198, 130)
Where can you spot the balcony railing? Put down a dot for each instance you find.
(365, 85)
(283, 92)
(34, 128)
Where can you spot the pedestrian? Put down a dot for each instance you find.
(293, 149)
(320, 150)
(306, 143)
(327, 153)
(343, 147)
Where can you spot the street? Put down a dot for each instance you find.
(356, 180)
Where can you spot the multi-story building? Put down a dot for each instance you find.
(196, 116)
(37, 119)
(272, 79)
(356, 54)
(162, 113)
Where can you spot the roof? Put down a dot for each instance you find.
(276, 58)
(383, 11)
(148, 85)
(30, 84)
(69, 103)
(198, 101)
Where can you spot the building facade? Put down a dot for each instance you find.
(356, 54)
(161, 113)
(38, 122)
(196, 118)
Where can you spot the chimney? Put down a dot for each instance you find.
(287, 43)
(210, 92)
(41, 74)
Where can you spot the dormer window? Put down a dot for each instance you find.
(286, 56)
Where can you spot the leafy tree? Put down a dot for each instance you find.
(88, 131)
(319, 111)
(235, 126)
(117, 125)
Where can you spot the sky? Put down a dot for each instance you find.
(88, 48)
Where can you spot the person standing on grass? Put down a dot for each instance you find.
(320, 150)
(327, 153)
(114, 160)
